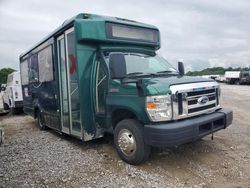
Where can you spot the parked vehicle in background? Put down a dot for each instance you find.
(12, 93)
(232, 77)
(97, 75)
(220, 79)
(245, 77)
(1, 96)
(3, 87)
(210, 76)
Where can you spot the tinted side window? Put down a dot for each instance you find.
(101, 88)
(45, 64)
(33, 68)
(24, 72)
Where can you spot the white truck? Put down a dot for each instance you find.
(232, 77)
(12, 93)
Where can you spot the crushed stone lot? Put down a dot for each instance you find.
(33, 158)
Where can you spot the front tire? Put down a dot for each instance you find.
(129, 142)
(5, 106)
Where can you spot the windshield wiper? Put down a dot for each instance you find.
(134, 74)
(166, 71)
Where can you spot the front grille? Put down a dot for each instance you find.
(194, 99)
(201, 92)
(201, 108)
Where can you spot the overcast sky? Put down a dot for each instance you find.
(201, 33)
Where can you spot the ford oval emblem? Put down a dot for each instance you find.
(203, 100)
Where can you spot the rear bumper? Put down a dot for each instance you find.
(188, 130)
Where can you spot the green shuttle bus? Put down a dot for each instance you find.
(95, 75)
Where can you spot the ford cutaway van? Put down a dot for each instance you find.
(95, 75)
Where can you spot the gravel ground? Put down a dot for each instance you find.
(33, 158)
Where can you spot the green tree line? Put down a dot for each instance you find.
(215, 71)
(4, 74)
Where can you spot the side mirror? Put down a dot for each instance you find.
(3, 88)
(117, 65)
(181, 68)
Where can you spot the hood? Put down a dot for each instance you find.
(160, 85)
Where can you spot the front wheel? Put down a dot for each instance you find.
(129, 142)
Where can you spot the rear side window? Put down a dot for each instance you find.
(33, 68)
(24, 72)
(45, 64)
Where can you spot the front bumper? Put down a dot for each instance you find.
(188, 130)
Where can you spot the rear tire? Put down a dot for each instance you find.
(41, 121)
(5, 106)
(129, 142)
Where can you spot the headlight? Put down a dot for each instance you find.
(159, 107)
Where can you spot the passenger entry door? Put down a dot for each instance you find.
(68, 84)
(63, 86)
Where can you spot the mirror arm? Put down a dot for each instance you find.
(139, 85)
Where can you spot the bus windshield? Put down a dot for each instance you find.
(137, 63)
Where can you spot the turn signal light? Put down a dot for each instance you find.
(151, 105)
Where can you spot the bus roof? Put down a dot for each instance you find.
(88, 18)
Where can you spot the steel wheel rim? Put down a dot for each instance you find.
(126, 142)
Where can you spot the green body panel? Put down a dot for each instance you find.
(126, 97)
(93, 29)
(85, 58)
(89, 30)
(160, 85)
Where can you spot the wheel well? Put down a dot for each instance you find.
(121, 114)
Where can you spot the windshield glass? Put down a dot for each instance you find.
(144, 64)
